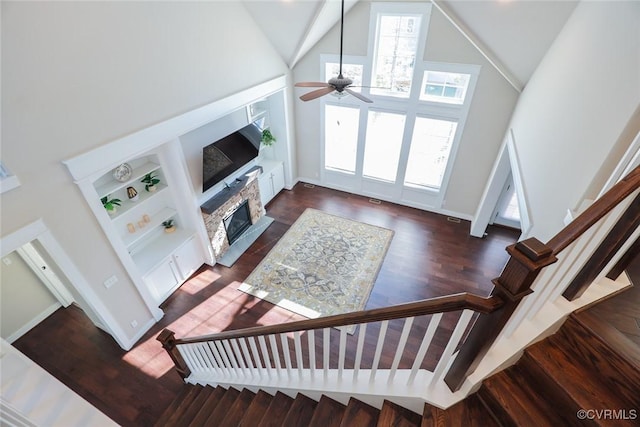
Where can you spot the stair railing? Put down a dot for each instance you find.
(579, 253)
(262, 357)
(329, 357)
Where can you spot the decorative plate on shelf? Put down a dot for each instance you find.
(123, 172)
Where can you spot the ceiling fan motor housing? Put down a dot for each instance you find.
(340, 82)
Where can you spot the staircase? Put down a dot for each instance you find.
(560, 378)
(205, 406)
(555, 379)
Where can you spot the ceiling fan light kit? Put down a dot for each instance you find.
(339, 84)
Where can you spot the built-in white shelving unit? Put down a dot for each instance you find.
(164, 260)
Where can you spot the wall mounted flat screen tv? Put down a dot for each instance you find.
(225, 156)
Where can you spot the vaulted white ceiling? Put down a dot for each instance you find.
(513, 34)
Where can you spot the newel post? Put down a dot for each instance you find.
(528, 258)
(168, 339)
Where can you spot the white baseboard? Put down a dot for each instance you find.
(33, 322)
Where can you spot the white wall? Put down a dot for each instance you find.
(23, 297)
(493, 103)
(575, 107)
(77, 75)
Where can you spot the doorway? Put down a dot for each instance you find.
(31, 291)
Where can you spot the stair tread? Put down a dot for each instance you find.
(359, 414)
(562, 403)
(511, 400)
(208, 406)
(256, 410)
(183, 405)
(300, 412)
(173, 406)
(394, 415)
(470, 412)
(237, 410)
(328, 413)
(194, 407)
(222, 407)
(277, 411)
(585, 388)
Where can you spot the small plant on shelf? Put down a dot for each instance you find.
(110, 204)
(267, 138)
(150, 181)
(169, 226)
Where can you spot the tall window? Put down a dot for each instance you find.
(430, 148)
(395, 54)
(341, 137)
(384, 142)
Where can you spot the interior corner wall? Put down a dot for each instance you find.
(78, 75)
(574, 108)
(486, 124)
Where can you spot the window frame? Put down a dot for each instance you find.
(8, 181)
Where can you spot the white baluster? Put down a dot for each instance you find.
(342, 350)
(256, 355)
(186, 355)
(265, 355)
(286, 353)
(231, 356)
(311, 340)
(223, 356)
(379, 345)
(362, 332)
(276, 353)
(217, 357)
(451, 345)
(400, 349)
(238, 355)
(325, 350)
(213, 360)
(205, 358)
(424, 346)
(298, 347)
(247, 356)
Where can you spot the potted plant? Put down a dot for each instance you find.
(150, 181)
(110, 204)
(267, 138)
(169, 226)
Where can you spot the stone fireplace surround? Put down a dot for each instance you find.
(225, 202)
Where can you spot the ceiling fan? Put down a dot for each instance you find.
(339, 84)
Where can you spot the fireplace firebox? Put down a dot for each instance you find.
(237, 222)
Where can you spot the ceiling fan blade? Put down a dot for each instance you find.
(317, 93)
(357, 95)
(312, 84)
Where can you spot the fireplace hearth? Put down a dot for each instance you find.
(237, 222)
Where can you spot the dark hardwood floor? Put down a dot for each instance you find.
(430, 255)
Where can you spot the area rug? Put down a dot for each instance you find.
(323, 265)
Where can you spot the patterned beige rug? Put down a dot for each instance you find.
(323, 265)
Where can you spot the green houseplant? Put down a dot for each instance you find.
(110, 204)
(267, 138)
(150, 181)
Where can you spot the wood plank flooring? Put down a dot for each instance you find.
(430, 255)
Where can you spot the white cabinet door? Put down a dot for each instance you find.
(271, 181)
(162, 279)
(188, 258)
(277, 179)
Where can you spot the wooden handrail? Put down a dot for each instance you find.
(605, 204)
(455, 302)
